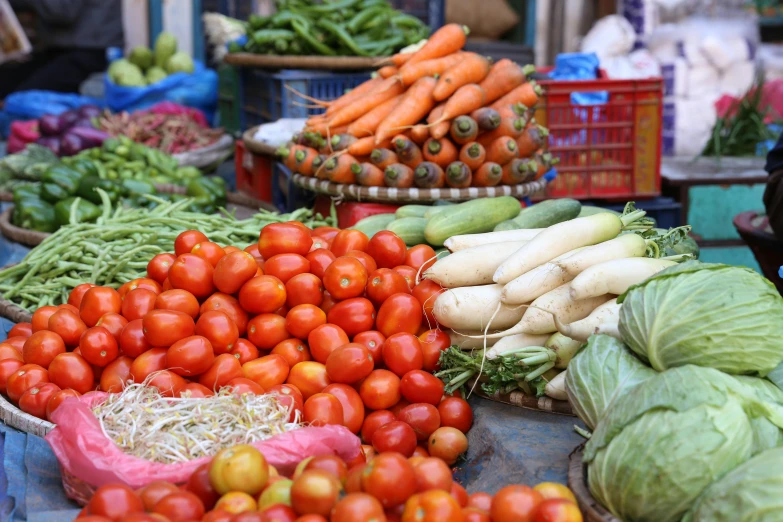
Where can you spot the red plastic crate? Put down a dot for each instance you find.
(609, 151)
(254, 173)
(350, 213)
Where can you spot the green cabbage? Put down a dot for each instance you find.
(659, 446)
(749, 493)
(765, 434)
(600, 373)
(718, 316)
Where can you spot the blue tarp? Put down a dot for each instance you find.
(31, 105)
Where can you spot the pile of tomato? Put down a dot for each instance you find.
(238, 485)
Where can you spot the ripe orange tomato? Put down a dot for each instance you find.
(241, 386)
(432, 473)
(471, 514)
(132, 341)
(303, 319)
(98, 346)
(380, 390)
(42, 347)
(148, 362)
(168, 383)
(554, 490)
(420, 386)
(402, 354)
(58, 399)
(433, 342)
(181, 506)
(387, 248)
(96, 302)
(142, 282)
(154, 491)
(114, 323)
(158, 267)
(35, 399)
(481, 501)
(210, 252)
(315, 492)
(353, 407)
(233, 271)
(447, 444)
(230, 306)
(137, 303)
(345, 278)
(224, 368)
(357, 506)
(309, 377)
(219, 329)
(286, 266)
(400, 313)
(364, 258)
(244, 351)
(218, 515)
(513, 503)
(40, 318)
(395, 436)
(418, 256)
(426, 292)
(304, 289)
(114, 501)
(194, 274)
(326, 232)
(325, 339)
(236, 502)
(459, 494)
(353, 315)
(190, 356)
(284, 238)
(116, 374)
(375, 420)
(320, 259)
(69, 370)
(290, 396)
(347, 240)
(293, 351)
(265, 331)
(456, 413)
(321, 409)
(390, 478)
(77, 294)
(253, 251)
(179, 301)
(163, 328)
(432, 506)
(239, 468)
(267, 371)
(68, 325)
(186, 240)
(423, 418)
(557, 510)
(372, 340)
(349, 364)
(383, 283)
(262, 295)
(195, 391)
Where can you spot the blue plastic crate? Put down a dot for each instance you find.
(239, 9)
(268, 96)
(287, 196)
(433, 12)
(665, 211)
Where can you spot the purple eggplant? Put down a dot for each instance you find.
(50, 143)
(89, 111)
(83, 123)
(90, 137)
(71, 144)
(50, 125)
(67, 119)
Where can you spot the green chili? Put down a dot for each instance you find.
(302, 31)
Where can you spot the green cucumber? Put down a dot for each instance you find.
(437, 207)
(541, 215)
(472, 217)
(410, 229)
(371, 225)
(588, 210)
(412, 211)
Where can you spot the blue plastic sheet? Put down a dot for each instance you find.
(579, 66)
(198, 90)
(31, 105)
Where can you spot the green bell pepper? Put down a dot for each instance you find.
(34, 214)
(88, 185)
(204, 205)
(26, 191)
(81, 209)
(66, 178)
(188, 173)
(85, 166)
(52, 192)
(137, 186)
(208, 187)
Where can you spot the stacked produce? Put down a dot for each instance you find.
(145, 66)
(347, 28)
(439, 117)
(25, 166)
(70, 132)
(326, 488)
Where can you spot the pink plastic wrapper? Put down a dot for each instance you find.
(86, 453)
(168, 107)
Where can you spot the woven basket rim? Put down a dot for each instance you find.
(254, 146)
(519, 399)
(18, 234)
(577, 481)
(12, 311)
(16, 418)
(346, 63)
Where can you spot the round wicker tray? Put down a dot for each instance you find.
(303, 62)
(254, 146)
(522, 400)
(16, 418)
(386, 194)
(17, 234)
(577, 481)
(12, 312)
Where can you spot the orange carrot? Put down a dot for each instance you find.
(504, 76)
(401, 59)
(415, 105)
(338, 169)
(533, 138)
(511, 127)
(286, 155)
(410, 73)
(341, 142)
(463, 130)
(458, 175)
(472, 69)
(388, 71)
(448, 39)
(367, 174)
(465, 100)
(488, 175)
(398, 175)
(516, 111)
(545, 162)
(486, 118)
(436, 113)
(303, 161)
(429, 175)
(386, 91)
(382, 158)
(353, 95)
(518, 170)
(366, 125)
(408, 152)
(472, 155)
(420, 133)
(440, 130)
(527, 94)
(364, 146)
(441, 152)
(502, 150)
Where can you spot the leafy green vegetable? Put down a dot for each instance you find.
(718, 316)
(604, 370)
(765, 434)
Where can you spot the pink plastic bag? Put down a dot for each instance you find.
(86, 453)
(168, 107)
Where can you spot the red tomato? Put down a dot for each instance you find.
(325, 339)
(353, 408)
(194, 274)
(114, 501)
(304, 289)
(459, 494)
(303, 319)
(395, 436)
(319, 242)
(210, 252)
(515, 503)
(195, 390)
(326, 232)
(116, 374)
(358, 506)
(96, 302)
(471, 514)
(328, 303)
(224, 368)
(228, 305)
(290, 396)
(557, 510)
(380, 390)
(21, 330)
(418, 256)
(387, 249)
(293, 351)
(315, 491)
(35, 399)
(347, 240)
(233, 271)
(9, 351)
(345, 278)
(426, 292)
(321, 409)
(397, 408)
(274, 513)
(375, 420)
(262, 295)
(42, 347)
(309, 377)
(432, 473)
(158, 267)
(433, 505)
(149, 362)
(421, 386)
(408, 273)
(241, 386)
(40, 319)
(190, 356)
(199, 485)
(266, 330)
(402, 354)
(8, 367)
(137, 303)
(67, 325)
(481, 501)
(364, 258)
(286, 266)
(423, 418)
(253, 251)
(267, 371)
(390, 478)
(142, 282)
(17, 342)
(383, 283)
(24, 378)
(165, 327)
(372, 340)
(244, 351)
(168, 383)
(182, 506)
(187, 240)
(320, 259)
(179, 301)
(98, 346)
(349, 364)
(433, 342)
(355, 315)
(132, 341)
(114, 323)
(77, 294)
(219, 329)
(456, 413)
(154, 491)
(447, 444)
(353, 482)
(284, 238)
(58, 399)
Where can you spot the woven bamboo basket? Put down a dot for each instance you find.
(18, 234)
(16, 418)
(577, 480)
(523, 400)
(345, 63)
(255, 146)
(12, 312)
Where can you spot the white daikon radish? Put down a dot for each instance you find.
(581, 330)
(537, 282)
(561, 238)
(472, 266)
(615, 277)
(610, 329)
(471, 307)
(511, 342)
(469, 340)
(556, 388)
(462, 242)
(625, 246)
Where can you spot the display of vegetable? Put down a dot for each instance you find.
(25, 166)
(144, 66)
(71, 132)
(345, 28)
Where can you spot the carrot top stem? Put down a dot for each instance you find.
(434, 147)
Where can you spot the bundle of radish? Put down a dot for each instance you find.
(532, 283)
(437, 117)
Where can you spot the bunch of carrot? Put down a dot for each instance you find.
(437, 117)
